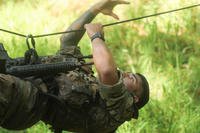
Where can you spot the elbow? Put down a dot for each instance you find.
(107, 70)
(62, 39)
(108, 77)
(106, 73)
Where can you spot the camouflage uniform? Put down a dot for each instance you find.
(73, 101)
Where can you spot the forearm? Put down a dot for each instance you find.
(72, 39)
(104, 62)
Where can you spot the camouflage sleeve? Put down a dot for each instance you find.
(118, 100)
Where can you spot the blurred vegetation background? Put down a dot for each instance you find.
(166, 49)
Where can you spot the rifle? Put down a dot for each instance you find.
(30, 64)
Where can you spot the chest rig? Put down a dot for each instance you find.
(71, 91)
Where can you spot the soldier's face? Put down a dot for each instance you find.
(133, 83)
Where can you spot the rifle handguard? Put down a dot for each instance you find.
(19, 67)
(42, 69)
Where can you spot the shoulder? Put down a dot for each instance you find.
(108, 91)
(118, 100)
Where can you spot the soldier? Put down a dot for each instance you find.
(76, 101)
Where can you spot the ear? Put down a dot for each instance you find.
(136, 99)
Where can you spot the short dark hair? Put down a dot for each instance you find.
(144, 97)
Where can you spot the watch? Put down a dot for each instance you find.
(97, 35)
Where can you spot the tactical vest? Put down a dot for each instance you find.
(71, 93)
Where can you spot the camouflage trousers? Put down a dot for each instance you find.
(21, 103)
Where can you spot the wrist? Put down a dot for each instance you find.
(97, 35)
(97, 41)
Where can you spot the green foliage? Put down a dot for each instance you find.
(166, 49)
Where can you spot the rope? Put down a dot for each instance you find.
(14, 33)
(106, 25)
(152, 15)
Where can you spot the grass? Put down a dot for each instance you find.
(165, 49)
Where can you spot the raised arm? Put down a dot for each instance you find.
(104, 6)
(102, 57)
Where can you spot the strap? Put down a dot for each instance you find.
(97, 35)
